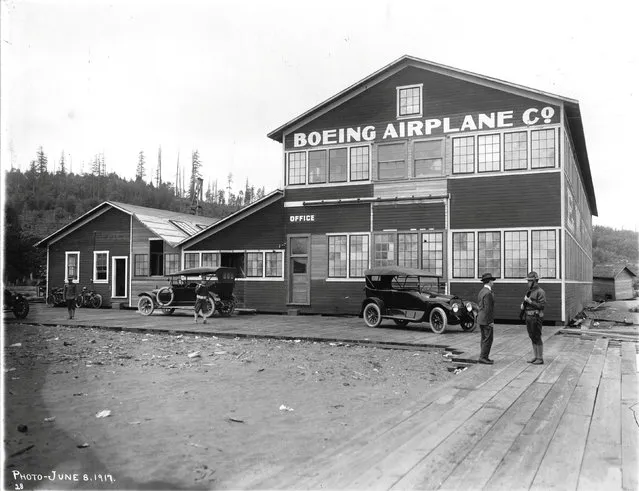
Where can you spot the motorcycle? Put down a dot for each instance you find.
(16, 303)
(88, 298)
(56, 297)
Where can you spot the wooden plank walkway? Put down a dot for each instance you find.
(570, 424)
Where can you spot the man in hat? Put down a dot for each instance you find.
(486, 317)
(201, 297)
(70, 293)
(533, 307)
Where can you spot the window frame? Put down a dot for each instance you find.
(304, 169)
(442, 157)
(95, 267)
(398, 97)
(555, 148)
(146, 262)
(329, 176)
(527, 249)
(405, 161)
(527, 160)
(474, 162)
(76, 278)
(492, 145)
(348, 255)
(322, 151)
(486, 269)
(439, 261)
(191, 253)
(167, 271)
(472, 267)
(539, 268)
(350, 163)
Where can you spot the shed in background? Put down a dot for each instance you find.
(612, 282)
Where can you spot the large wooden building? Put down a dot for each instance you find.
(426, 166)
(119, 250)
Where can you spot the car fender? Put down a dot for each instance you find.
(366, 301)
(150, 295)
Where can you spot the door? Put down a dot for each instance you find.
(299, 277)
(119, 282)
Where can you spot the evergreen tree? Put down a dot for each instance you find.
(158, 174)
(63, 168)
(220, 197)
(195, 172)
(41, 162)
(140, 171)
(260, 193)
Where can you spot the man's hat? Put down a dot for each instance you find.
(486, 277)
(532, 276)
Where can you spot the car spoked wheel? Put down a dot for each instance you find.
(401, 322)
(469, 324)
(438, 320)
(21, 309)
(372, 315)
(210, 308)
(145, 305)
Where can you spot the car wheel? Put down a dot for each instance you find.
(145, 305)
(21, 309)
(96, 301)
(210, 308)
(372, 315)
(438, 320)
(227, 308)
(168, 311)
(469, 325)
(165, 296)
(401, 322)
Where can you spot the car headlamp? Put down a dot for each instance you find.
(455, 307)
(469, 307)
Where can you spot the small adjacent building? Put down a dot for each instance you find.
(424, 166)
(119, 250)
(612, 283)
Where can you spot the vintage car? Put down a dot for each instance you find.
(413, 295)
(180, 292)
(16, 303)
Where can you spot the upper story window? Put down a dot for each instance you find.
(296, 167)
(337, 165)
(543, 148)
(516, 150)
(488, 153)
(409, 101)
(428, 156)
(360, 163)
(317, 167)
(464, 155)
(391, 161)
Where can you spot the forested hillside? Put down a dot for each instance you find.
(38, 202)
(610, 246)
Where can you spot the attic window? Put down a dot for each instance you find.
(186, 227)
(410, 101)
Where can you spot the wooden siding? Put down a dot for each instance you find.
(623, 286)
(329, 219)
(264, 296)
(319, 257)
(107, 232)
(409, 216)
(328, 192)
(444, 96)
(603, 289)
(263, 229)
(508, 297)
(334, 297)
(529, 200)
(578, 264)
(413, 187)
(578, 295)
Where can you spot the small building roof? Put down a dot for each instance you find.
(608, 271)
(170, 226)
(233, 218)
(571, 106)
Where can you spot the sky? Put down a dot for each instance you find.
(120, 77)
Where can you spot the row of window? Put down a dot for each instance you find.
(100, 266)
(520, 150)
(334, 165)
(252, 264)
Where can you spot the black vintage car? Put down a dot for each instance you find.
(16, 303)
(413, 295)
(180, 292)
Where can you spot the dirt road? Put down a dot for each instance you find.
(232, 412)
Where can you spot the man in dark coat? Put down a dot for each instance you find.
(486, 317)
(70, 293)
(201, 298)
(533, 307)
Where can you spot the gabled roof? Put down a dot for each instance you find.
(170, 226)
(234, 218)
(571, 106)
(610, 271)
